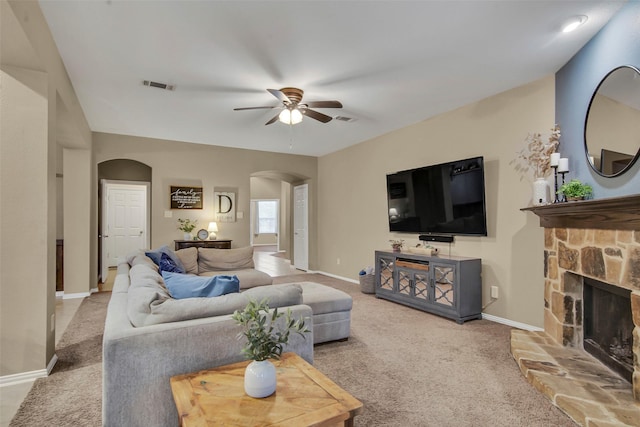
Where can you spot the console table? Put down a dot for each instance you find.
(216, 244)
(447, 286)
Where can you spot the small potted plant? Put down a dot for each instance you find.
(186, 226)
(396, 245)
(575, 190)
(265, 340)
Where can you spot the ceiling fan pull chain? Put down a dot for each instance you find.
(290, 136)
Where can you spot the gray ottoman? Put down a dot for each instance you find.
(331, 311)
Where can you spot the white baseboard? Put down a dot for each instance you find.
(76, 295)
(511, 323)
(94, 290)
(485, 316)
(52, 363)
(59, 294)
(335, 276)
(23, 377)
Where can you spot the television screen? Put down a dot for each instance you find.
(442, 199)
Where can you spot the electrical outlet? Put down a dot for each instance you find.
(338, 261)
(53, 322)
(494, 292)
(168, 214)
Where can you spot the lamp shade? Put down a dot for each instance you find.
(213, 229)
(290, 117)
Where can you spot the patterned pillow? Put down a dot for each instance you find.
(167, 264)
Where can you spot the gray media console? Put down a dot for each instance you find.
(447, 286)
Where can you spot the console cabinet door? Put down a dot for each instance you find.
(384, 274)
(445, 292)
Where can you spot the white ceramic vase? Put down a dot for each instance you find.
(540, 192)
(187, 236)
(260, 379)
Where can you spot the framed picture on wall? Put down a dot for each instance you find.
(186, 197)
(225, 206)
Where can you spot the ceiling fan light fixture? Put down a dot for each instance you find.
(573, 23)
(290, 116)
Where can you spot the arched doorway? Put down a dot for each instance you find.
(128, 176)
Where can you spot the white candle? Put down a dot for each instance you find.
(563, 165)
(555, 157)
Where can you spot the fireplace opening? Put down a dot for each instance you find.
(608, 326)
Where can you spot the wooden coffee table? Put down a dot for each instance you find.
(303, 397)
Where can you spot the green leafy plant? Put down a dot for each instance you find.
(186, 225)
(575, 189)
(264, 339)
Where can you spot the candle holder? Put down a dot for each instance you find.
(555, 184)
(564, 198)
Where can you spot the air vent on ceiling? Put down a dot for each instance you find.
(158, 85)
(344, 119)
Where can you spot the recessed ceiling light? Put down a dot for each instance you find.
(573, 23)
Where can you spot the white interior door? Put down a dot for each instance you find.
(301, 227)
(124, 221)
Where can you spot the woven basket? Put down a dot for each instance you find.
(368, 284)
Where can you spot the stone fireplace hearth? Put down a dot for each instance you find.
(598, 239)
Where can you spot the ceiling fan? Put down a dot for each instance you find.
(292, 108)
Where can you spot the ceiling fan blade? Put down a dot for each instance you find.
(273, 120)
(254, 108)
(324, 104)
(280, 95)
(316, 115)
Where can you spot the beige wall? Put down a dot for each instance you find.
(352, 200)
(181, 163)
(39, 111)
(77, 220)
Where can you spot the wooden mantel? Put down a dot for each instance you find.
(616, 213)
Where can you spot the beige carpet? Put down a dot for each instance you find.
(409, 368)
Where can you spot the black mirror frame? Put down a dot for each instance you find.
(586, 121)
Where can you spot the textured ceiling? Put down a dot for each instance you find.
(390, 63)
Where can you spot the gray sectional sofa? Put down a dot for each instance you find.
(150, 337)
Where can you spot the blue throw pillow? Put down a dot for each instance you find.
(156, 256)
(167, 264)
(190, 286)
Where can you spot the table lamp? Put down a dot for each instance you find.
(213, 229)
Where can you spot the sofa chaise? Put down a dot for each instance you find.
(150, 336)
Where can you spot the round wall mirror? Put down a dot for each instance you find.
(612, 125)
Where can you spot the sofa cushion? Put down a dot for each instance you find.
(157, 308)
(210, 259)
(189, 259)
(190, 286)
(167, 264)
(249, 277)
(156, 255)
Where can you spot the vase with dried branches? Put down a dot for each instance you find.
(534, 160)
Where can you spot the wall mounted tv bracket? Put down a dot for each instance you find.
(435, 238)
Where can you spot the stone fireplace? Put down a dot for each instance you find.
(596, 240)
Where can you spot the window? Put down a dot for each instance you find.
(267, 216)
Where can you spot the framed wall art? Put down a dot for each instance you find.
(186, 197)
(225, 206)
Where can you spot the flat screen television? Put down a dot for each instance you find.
(443, 199)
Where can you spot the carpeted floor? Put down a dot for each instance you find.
(409, 368)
